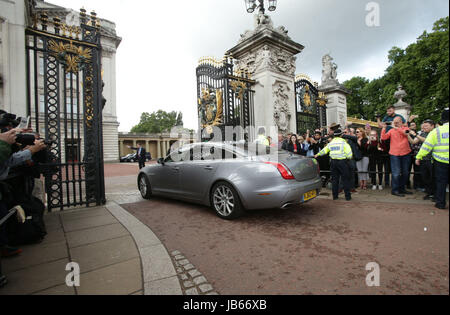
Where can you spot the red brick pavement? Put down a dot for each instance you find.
(319, 248)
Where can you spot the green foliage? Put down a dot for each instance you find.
(356, 101)
(158, 122)
(422, 69)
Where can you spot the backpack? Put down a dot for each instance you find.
(357, 156)
(33, 230)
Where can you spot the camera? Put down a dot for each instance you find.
(8, 121)
(25, 138)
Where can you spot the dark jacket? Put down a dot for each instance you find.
(5, 151)
(363, 147)
(300, 151)
(353, 142)
(317, 147)
(142, 156)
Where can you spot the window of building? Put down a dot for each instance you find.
(72, 105)
(41, 103)
(41, 66)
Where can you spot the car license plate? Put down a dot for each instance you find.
(309, 195)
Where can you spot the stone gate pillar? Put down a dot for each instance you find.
(269, 55)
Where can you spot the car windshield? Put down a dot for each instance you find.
(239, 149)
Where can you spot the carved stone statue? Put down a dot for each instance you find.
(282, 115)
(329, 72)
(400, 93)
(267, 58)
(263, 19)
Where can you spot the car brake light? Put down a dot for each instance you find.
(284, 171)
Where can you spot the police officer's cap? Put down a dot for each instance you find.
(338, 132)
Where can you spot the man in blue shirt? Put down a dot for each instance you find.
(389, 118)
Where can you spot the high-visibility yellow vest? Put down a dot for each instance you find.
(338, 149)
(437, 142)
(262, 139)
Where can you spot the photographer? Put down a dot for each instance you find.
(9, 137)
(389, 118)
(399, 155)
(6, 140)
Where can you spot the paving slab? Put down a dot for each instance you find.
(156, 263)
(33, 255)
(97, 234)
(119, 279)
(169, 286)
(54, 236)
(106, 243)
(58, 290)
(52, 222)
(87, 222)
(123, 216)
(37, 278)
(84, 213)
(104, 253)
(143, 236)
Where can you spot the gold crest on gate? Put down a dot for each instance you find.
(210, 108)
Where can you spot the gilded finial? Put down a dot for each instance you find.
(57, 23)
(44, 20)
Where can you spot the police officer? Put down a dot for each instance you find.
(437, 143)
(340, 154)
(262, 139)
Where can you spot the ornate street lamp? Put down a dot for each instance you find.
(251, 5)
(272, 5)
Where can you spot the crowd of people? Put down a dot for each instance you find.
(381, 157)
(22, 153)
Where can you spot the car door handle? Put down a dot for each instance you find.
(209, 168)
(176, 169)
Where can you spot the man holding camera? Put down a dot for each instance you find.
(389, 118)
(8, 159)
(399, 155)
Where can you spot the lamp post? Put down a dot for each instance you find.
(251, 5)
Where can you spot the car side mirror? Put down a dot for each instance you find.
(161, 161)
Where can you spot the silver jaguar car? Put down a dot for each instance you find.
(232, 178)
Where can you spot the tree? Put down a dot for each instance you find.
(356, 100)
(157, 122)
(422, 69)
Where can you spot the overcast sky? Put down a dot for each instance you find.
(163, 40)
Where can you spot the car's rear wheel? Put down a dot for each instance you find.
(225, 201)
(144, 186)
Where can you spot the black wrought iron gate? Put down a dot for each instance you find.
(225, 98)
(310, 105)
(65, 103)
